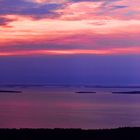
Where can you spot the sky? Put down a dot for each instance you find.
(70, 41)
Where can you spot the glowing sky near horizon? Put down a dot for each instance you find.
(58, 27)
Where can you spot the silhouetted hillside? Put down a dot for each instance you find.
(74, 134)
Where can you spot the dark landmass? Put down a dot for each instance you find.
(72, 134)
(85, 92)
(10, 91)
(127, 92)
(69, 85)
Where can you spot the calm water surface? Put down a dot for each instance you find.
(61, 107)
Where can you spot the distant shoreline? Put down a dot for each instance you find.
(69, 85)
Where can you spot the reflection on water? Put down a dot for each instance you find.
(61, 107)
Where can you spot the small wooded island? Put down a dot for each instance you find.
(85, 92)
(127, 92)
(10, 91)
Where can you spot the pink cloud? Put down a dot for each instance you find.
(49, 1)
(82, 27)
(113, 51)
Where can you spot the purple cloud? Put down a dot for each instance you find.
(4, 21)
(21, 7)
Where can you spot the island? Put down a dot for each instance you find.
(85, 92)
(127, 92)
(10, 91)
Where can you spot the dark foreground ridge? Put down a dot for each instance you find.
(10, 91)
(128, 92)
(72, 134)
